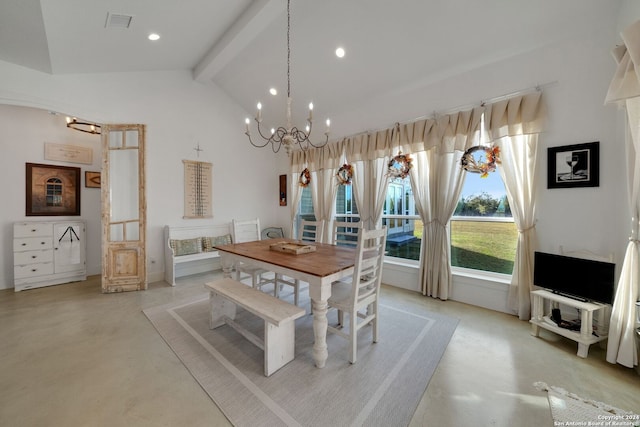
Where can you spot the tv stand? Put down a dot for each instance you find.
(585, 337)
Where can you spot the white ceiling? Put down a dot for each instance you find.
(240, 45)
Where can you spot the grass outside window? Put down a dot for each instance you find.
(483, 245)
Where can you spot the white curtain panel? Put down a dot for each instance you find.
(324, 195)
(370, 180)
(295, 191)
(518, 171)
(437, 181)
(625, 91)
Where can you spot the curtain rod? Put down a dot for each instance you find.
(536, 88)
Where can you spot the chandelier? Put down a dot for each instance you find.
(92, 128)
(287, 135)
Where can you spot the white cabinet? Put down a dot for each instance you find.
(587, 335)
(48, 253)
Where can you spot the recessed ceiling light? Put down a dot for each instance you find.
(273, 91)
(154, 36)
(340, 52)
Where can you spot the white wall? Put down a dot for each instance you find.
(179, 113)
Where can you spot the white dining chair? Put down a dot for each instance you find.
(309, 232)
(358, 297)
(345, 233)
(249, 231)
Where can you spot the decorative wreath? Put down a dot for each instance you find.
(345, 174)
(305, 178)
(399, 166)
(470, 163)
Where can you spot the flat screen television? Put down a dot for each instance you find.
(579, 278)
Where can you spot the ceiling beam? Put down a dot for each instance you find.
(253, 20)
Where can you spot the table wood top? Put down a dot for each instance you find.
(324, 261)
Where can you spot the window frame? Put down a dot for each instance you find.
(471, 272)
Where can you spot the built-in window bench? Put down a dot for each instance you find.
(191, 249)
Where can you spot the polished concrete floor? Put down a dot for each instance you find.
(71, 356)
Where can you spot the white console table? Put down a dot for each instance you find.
(586, 336)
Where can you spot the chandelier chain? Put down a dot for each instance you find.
(288, 49)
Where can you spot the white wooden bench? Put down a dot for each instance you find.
(188, 263)
(279, 319)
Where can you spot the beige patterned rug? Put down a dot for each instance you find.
(569, 409)
(383, 388)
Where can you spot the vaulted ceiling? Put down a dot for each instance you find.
(240, 45)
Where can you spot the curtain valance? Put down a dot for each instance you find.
(518, 115)
(626, 80)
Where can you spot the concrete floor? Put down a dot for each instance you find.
(71, 356)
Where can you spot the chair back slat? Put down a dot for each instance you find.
(311, 231)
(346, 233)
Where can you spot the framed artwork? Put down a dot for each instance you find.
(68, 153)
(52, 190)
(283, 190)
(91, 179)
(575, 165)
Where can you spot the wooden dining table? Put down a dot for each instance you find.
(321, 267)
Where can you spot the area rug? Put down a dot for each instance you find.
(383, 388)
(570, 409)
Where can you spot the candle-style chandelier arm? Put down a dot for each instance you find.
(302, 137)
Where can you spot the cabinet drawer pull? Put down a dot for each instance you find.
(23, 244)
(34, 230)
(43, 243)
(34, 256)
(34, 269)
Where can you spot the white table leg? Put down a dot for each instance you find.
(319, 294)
(320, 322)
(227, 265)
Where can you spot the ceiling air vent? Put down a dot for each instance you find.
(118, 20)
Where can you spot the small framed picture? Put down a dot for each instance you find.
(91, 179)
(575, 165)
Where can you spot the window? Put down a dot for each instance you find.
(404, 227)
(54, 192)
(306, 206)
(483, 234)
(346, 207)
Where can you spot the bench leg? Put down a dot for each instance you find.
(219, 308)
(279, 345)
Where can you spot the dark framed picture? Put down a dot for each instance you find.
(283, 190)
(52, 190)
(575, 165)
(91, 179)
